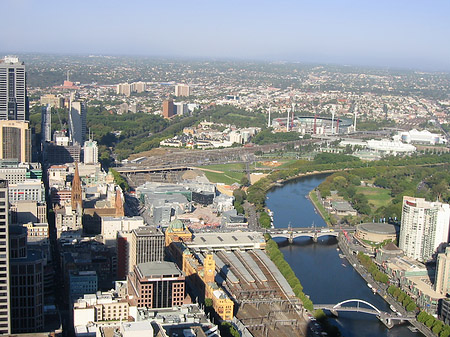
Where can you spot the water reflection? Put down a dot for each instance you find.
(326, 277)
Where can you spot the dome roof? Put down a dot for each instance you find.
(176, 225)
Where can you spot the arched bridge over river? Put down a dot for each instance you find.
(385, 317)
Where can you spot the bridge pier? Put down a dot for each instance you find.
(315, 237)
(334, 313)
(291, 238)
(387, 322)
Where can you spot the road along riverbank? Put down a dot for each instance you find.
(325, 276)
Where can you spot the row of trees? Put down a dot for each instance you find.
(403, 298)
(239, 198)
(264, 220)
(377, 274)
(119, 180)
(277, 257)
(437, 326)
(267, 137)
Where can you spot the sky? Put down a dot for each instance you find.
(394, 33)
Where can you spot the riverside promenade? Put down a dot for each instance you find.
(381, 288)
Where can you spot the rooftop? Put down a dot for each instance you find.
(424, 285)
(147, 230)
(158, 269)
(227, 239)
(378, 228)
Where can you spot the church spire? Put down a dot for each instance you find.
(76, 190)
(119, 203)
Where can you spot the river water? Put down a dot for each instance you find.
(325, 277)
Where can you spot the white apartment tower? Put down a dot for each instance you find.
(13, 90)
(182, 90)
(424, 227)
(90, 152)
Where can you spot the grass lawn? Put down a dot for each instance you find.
(318, 204)
(228, 176)
(292, 164)
(377, 196)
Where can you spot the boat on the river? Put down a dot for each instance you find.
(369, 285)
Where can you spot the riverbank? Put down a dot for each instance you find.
(325, 276)
(381, 288)
(312, 196)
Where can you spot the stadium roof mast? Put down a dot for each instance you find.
(332, 120)
(293, 113)
(287, 121)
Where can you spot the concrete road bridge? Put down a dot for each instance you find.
(290, 233)
(385, 317)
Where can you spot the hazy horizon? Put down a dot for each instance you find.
(403, 34)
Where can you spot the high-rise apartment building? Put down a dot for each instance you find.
(442, 275)
(90, 151)
(15, 140)
(124, 89)
(168, 109)
(424, 227)
(139, 87)
(77, 120)
(46, 124)
(182, 90)
(5, 317)
(13, 90)
(147, 245)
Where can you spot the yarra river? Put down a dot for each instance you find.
(325, 277)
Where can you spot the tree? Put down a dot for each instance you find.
(430, 321)
(208, 302)
(244, 181)
(445, 331)
(422, 317)
(391, 289)
(411, 307)
(264, 220)
(437, 327)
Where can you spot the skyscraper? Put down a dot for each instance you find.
(46, 124)
(425, 226)
(168, 110)
(26, 283)
(15, 140)
(77, 120)
(147, 245)
(5, 317)
(442, 275)
(13, 90)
